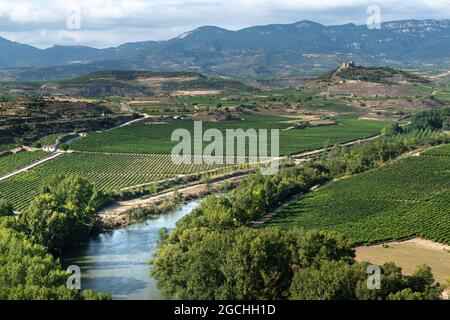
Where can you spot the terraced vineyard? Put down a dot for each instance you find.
(16, 161)
(48, 140)
(108, 172)
(152, 138)
(406, 199)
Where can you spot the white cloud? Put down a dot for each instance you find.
(111, 22)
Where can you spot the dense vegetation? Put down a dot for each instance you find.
(348, 161)
(61, 216)
(269, 263)
(433, 119)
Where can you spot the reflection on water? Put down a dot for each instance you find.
(117, 262)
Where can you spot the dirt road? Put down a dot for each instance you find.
(116, 213)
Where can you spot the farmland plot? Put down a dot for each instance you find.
(409, 198)
(154, 138)
(109, 172)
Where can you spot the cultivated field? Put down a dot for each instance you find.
(406, 199)
(151, 138)
(6, 147)
(16, 161)
(110, 172)
(48, 140)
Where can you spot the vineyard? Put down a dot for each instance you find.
(109, 172)
(16, 161)
(155, 138)
(443, 151)
(48, 140)
(6, 147)
(406, 199)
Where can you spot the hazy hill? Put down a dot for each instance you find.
(257, 51)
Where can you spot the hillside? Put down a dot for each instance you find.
(133, 83)
(354, 80)
(301, 47)
(23, 120)
(351, 72)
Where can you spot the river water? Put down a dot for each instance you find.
(117, 262)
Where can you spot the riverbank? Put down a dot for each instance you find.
(117, 262)
(120, 214)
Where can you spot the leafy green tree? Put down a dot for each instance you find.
(332, 280)
(405, 294)
(257, 267)
(28, 272)
(63, 215)
(188, 263)
(6, 208)
(314, 247)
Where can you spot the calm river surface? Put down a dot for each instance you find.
(117, 262)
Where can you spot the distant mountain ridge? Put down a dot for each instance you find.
(278, 49)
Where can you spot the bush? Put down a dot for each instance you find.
(28, 272)
(63, 215)
(6, 208)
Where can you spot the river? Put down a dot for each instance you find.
(117, 262)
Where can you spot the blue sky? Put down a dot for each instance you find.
(104, 23)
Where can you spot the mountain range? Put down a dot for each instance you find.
(271, 50)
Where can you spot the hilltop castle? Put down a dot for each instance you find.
(347, 65)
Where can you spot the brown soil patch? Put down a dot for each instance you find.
(410, 254)
(196, 92)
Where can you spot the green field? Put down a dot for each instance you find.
(405, 199)
(155, 138)
(49, 140)
(16, 161)
(6, 147)
(107, 172)
(443, 94)
(443, 151)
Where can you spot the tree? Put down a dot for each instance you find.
(333, 280)
(258, 266)
(6, 208)
(28, 272)
(64, 213)
(314, 247)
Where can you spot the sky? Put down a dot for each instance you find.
(106, 23)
